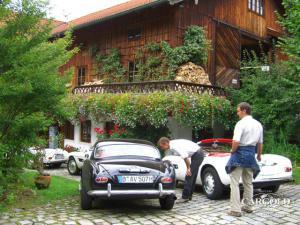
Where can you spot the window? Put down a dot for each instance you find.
(80, 76)
(69, 130)
(134, 34)
(132, 70)
(256, 6)
(85, 131)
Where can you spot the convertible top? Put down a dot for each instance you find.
(128, 140)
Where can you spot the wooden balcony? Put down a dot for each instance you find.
(149, 87)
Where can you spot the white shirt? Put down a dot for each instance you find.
(182, 147)
(248, 131)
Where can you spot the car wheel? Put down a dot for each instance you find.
(273, 188)
(72, 167)
(86, 200)
(167, 202)
(211, 183)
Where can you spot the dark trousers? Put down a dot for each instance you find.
(190, 181)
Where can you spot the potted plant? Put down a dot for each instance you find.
(42, 180)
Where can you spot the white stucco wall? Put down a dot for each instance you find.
(83, 145)
(178, 131)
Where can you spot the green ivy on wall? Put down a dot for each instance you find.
(130, 109)
(157, 61)
(110, 68)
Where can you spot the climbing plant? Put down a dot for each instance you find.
(109, 67)
(157, 61)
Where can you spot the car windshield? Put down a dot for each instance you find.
(104, 150)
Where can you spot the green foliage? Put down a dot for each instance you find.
(281, 146)
(31, 87)
(296, 175)
(131, 110)
(291, 23)
(274, 95)
(110, 67)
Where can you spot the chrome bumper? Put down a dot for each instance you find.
(147, 193)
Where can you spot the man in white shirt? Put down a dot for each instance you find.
(247, 138)
(185, 149)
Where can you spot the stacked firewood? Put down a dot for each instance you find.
(95, 82)
(193, 73)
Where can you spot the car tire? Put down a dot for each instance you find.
(211, 184)
(167, 202)
(86, 201)
(72, 166)
(272, 189)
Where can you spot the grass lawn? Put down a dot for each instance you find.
(296, 175)
(22, 196)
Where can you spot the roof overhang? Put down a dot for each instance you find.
(123, 13)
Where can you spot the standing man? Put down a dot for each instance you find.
(247, 138)
(185, 149)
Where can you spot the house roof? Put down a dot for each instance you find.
(106, 14)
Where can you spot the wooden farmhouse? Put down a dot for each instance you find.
(232, 26)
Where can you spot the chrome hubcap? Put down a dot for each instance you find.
(209, 183)
(72, 166)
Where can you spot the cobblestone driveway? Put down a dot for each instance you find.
(199, 211)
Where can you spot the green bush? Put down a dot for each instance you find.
(274, 95)
(281, 146)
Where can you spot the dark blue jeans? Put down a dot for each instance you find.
(190, 181)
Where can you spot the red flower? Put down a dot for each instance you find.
(110, 132)
(116, 127)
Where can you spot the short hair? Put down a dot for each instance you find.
(163, 140)
(244, 106)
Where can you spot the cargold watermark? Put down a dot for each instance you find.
(270, 200)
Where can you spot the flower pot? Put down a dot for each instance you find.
(42, 181)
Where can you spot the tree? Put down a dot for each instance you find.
(291, 23)
(31, 88)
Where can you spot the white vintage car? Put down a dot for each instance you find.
(52, 157)
(76, 159)
(275, 169)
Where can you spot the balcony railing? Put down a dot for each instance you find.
(149, 87)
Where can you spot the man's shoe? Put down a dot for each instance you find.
(235, 214)
(247, 210)
(182, 200)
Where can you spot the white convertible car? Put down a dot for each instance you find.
(52, 157)
(275, 169)
(76, 159)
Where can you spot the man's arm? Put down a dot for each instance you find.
(188, 167)
(234, 146)
(259, 151)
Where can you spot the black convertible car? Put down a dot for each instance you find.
(126, 168)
